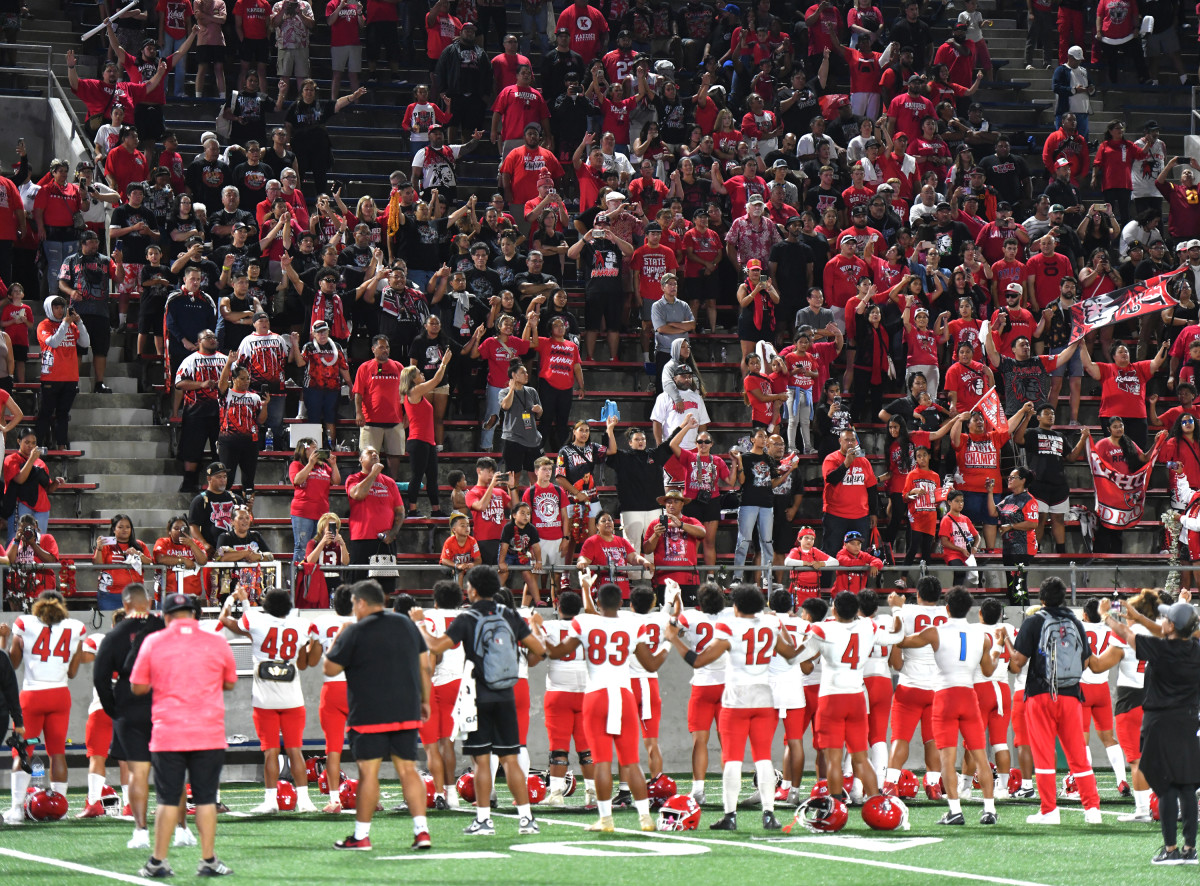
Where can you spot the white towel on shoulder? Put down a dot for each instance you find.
(465, 715)
(643, 693)
(612, 726)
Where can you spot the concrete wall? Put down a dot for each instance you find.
(46, 128)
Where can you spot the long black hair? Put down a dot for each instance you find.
(904, 442)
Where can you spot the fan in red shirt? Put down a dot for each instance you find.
(673, 546)
(978, 457)
(376, 511)
(842, 273)
(489, 501)
(1112, 169)
(849, 491)
(852, 555)
(1045, 272)
(125, 163)
(587, 27)
(609, 552)
(548, 502)
(1123, 387)
(905, 111)
(518, 106)
(806, 560)
(99, 96)
(966, 380)
(441, 29)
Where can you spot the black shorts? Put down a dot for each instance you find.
(747, 331)
(98, 332)
(495, 730)
(704, 511)
(489, 549)
(175, 769)
(210, 55)
(148, 119)
(255, 51)
(383, 38)
(380, 745)
(783, 533)
(603, 309)
(20, 353)
(150, 315)
(702, 288)
(520, 458)
(131, 741)
(467, 110)
(195, 432)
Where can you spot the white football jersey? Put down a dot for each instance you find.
(697, 630)
(1131, 673)
(785, 677)
(960, 648)
(275, 639)
(811, 652)
(90, 644)
(450, 667)
(47, 650)
(751, 650)
(522, 652)
(844, 651)
(1000, 675)
(607, 646)
(919, 670)
(877, 661)
(1100, 637)
(564, 674)
(324, 629)
(654, 629)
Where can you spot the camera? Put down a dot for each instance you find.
(291, 7)
(28, 535)
(323, 454)
(264, 388)
(235, 611)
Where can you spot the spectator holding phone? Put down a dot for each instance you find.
(242, 411)
(60, 336)
(312, 473)
(121, 549)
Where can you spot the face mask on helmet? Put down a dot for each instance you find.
(680, 813)
(822, 815)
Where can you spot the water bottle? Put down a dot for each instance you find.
(37, 774)
(269, 440)
(723, 360)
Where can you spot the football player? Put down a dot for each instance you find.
(1020, 730)
(788, 696)
(334, 707)
(645, 683)
(50, 643)
(814, 610)
(1097, 698)
(436, 732)
(97, 739)
(697, 629)
(610, 711)
(993, 692)
(959, 647)
(747, 707)
(878, 680)
(281, 646)
(566, 683)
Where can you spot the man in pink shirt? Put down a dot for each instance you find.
(187, 669)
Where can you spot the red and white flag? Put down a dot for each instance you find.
(1120, 496)
(1148, 297)
(992, 410)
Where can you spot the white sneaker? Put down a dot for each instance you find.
(699, 797)
(589, 798)
(303, 805)
(265, 809)
(14, 816)
(139, 840)
(1093, 816)
(1051, 817)
(183, 837)
(555, 798)
(1136, 815)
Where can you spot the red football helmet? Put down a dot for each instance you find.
(679, 813)
(934, 791)
(466, 786)
(975, 778)
(285, 796)
(1014, 781)
(45, 805)
(430, 788)
(315, 766)
(349, 792)
(537, 788)
(111, 800)
(820, 789)
(570, 789)
(1154, 813)
(662, 788)
(885, 813)
(323, 782)
(1069, 788)
(821, 815)
(906, 787)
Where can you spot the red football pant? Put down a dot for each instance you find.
(1020, 733)
(909, 707)
(703, 706)
(645, 690)
(1129, 734)
(441, 713)
(48, 713)
(995, 707)
(97, 734)
(879, 706)
(595, 719)
(842, 720)
(269, 722)
(794, 723)
(956, 710)
(812, 695)
(564, 720)
(333, 710)
(1049, 718)
(521, 697)
(737, 724)
(1070, 31)
(1097, 708)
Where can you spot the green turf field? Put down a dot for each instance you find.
(293, 849)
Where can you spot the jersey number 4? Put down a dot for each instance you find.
(41, 646)
(850, 656)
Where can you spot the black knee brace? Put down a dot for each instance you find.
(585, 758)
(560, 758)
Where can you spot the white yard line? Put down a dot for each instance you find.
(70, 866)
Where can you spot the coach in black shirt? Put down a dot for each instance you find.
(496, 709)
(388, 673)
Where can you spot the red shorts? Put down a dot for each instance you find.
(1129, 734)
(595, 723)
(842, 720)
(794, 724)
(333, 711)
(653, 699)
(48, 713)
(737, 724)
(995, 707)
(955, 711)
(704, 704)
(879, 703)
(909, 707)
(1020, 734)
(521, 697)
(809, 713)
(97, 734)
(441, 713)
(564, 720)
(1097, 706)
(269, 722)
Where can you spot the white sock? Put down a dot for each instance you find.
(989, 805)
(1116, 759)
(766, 778)
(523, 760)
(589, 784)
(786, 785)
(1002, 781)
(524, 811)
(451, 794)
(642, 806)
(441, 794)
(125, 794)
(892, 776)
(604, 807)
(270, 796)
(558, 783)
(1141, 801)
(182, 827)
(95, 786)
(645, 356)
(482, 813)
(731, 784)
(140, 832)
(877, 757)
(121, 317)
(955, 806)
(934, 777)
(362, 830)
(1026, 783)
(302, 794)
(18, 785)
(420, 823)
(59, 787)
(697, 787)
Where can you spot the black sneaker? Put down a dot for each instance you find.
(214, 868)
(101, 388)
(1187, 855)
(156, 870)
(623, 800)
(952, 818)
(1167, 856)
(988, 818)
(440, 803)
(221, 808)
(727, 823)
(770, 822)
(353, 842)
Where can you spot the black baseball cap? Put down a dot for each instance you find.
(178, 603)
(216, 468)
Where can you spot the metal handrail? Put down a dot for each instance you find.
(54, 87)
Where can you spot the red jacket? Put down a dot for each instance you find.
(1074, 148)
(853, 581)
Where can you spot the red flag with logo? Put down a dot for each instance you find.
(1149, 296)
(1120, 496)
(992, 410)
